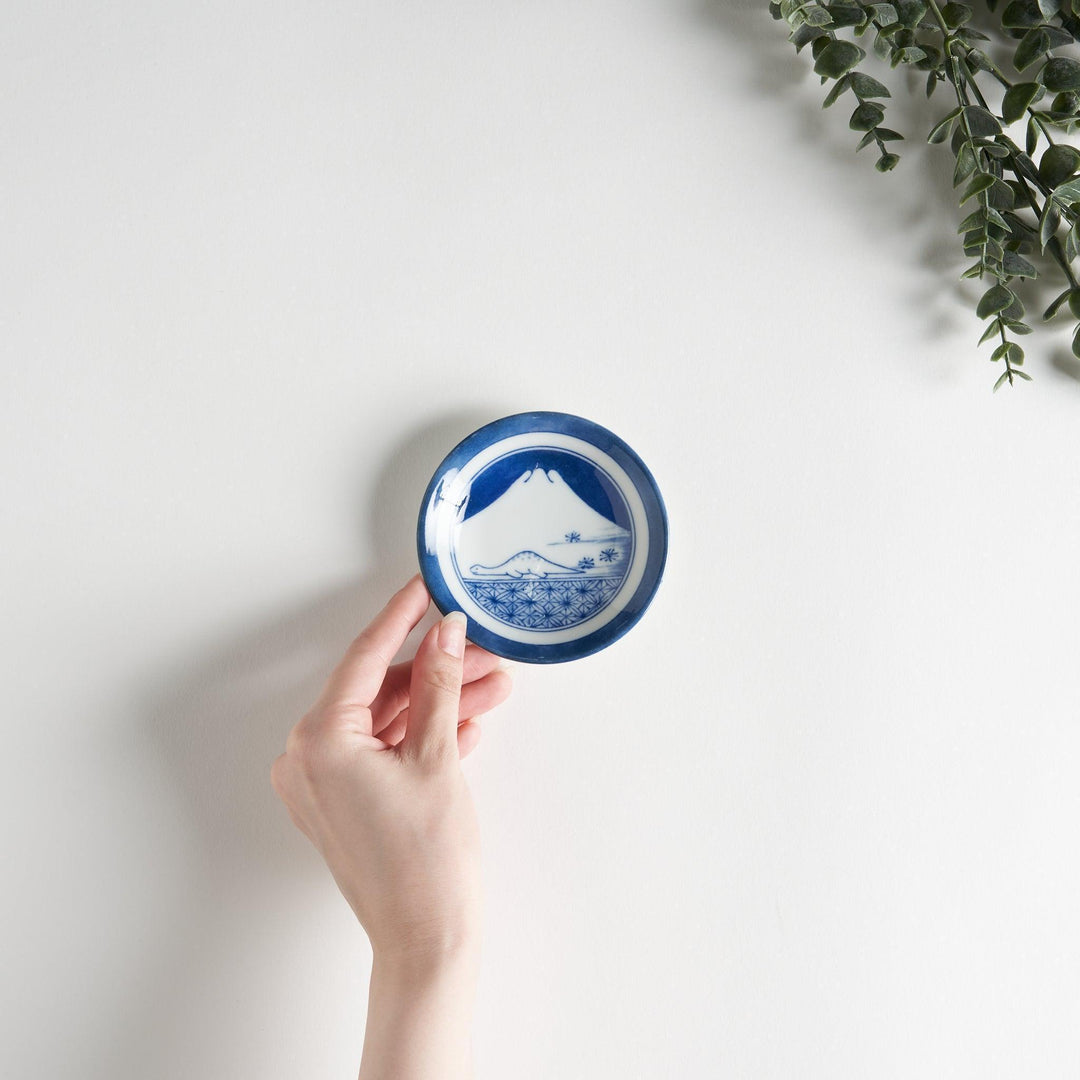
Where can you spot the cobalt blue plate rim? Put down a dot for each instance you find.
(656, 515)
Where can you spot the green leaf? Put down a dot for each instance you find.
(1059, 163)
(846, 13)
(941, 130)
(1059, 37)
(992, 330)
(1066, 102)
(1033, 45)
(976, 270)
(837, 89)
(1074, 302)
(806, 35)
(866, 87)
(911, 54)
(1016, 100)
(1055, 304)
(981, 122)
(996, 298)
(1017, 266)
(1061, 73)
(1076, 342)
(1032, 138)
(1000, 196)
(1014, 311)
(1048, 224)
(888, 135)
(1001, 378)
(1023, 234)
(887, 162)
(932, 61)
(1067, 193)
(955, 15)
(866, 117)
(910, 12)
(1072, 245)
(884, 13)
(1021, 13)
(981, 182)
(838, 58)
(975, 220)
(1024, 165)
(817, 16)
(1022, 375)
(965, 165)
(865, 141)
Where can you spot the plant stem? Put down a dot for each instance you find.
(1005, 341)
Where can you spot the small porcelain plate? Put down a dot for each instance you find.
(548, 531)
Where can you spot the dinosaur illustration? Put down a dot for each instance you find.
(523, 564)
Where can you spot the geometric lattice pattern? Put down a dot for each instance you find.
(543, 603)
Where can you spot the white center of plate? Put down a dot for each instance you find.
(490, 554)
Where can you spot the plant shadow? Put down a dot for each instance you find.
(1065, 363)
(915, 207)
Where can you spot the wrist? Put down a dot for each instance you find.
(420, 961)
(420, 1006)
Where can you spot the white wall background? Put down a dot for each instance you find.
(262, 265)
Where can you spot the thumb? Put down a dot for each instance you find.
(435, 690)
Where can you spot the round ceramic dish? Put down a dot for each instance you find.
(548, 531)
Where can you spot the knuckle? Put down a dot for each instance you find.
(443, 680)
(306, 740)
(279, 774)
(306, 753)
(434, 754)
(309, 759)
(299, 734)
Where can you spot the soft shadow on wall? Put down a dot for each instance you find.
(216, 723)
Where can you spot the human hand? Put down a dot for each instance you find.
(371, 776)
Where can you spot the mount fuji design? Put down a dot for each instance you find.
(539, 527)
(539, 557)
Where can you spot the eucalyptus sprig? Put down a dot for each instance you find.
(1015, 207)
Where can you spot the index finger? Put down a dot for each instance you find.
(357, 678)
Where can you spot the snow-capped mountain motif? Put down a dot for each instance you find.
(540, 515)
(539, 556)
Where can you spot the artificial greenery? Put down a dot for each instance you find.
(1019, 209)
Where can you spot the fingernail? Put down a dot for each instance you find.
(452, 634)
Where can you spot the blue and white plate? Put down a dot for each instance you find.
(548, 531)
